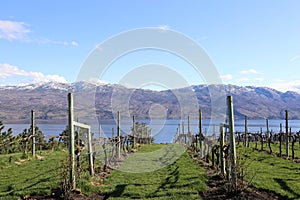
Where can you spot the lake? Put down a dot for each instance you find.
(162, 130)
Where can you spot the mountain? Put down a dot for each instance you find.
(49, 100)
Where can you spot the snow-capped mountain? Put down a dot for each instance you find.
(49, 100)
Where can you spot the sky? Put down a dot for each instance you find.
(250, 43)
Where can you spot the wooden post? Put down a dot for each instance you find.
(287, 133)
(113, 142)
(90, 152)
(214, 132)
(133, 121)
(232, 143)
(71, 141)
(280, 139)
(246, 131)
(293, 146)
(105, 155)
(176, 136)
(200, 132)
(99, 128)
(119, 137)
(267, 125)
(183, 132)
(179, 135)
(261, 139)
(189, 132)
(222, 158)
(189, 128)
(33, 133)
(280, 128)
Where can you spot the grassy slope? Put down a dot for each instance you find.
(36, 176)
(272, 173)
(183, 179)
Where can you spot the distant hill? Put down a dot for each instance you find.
(49, 100)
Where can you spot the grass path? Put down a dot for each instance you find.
(183, 179)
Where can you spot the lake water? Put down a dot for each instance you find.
(162, 130)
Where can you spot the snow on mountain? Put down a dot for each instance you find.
(49, 99)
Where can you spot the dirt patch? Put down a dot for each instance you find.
(20, 162)
(218, 188)
(39, 157)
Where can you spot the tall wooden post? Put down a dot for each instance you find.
(222, 157)
(134, 130)
(280, 128)
(189, 132)
(183, 135)
(189, 128)
(33, 133)
(90, 151)
(232, 143)
(214, 132)
(267, 125)
(261, 139)
(119, 137)
(179, 134)
(246, 131)
(200, 132)
(99, 128)
(287, 133)
(71, 141)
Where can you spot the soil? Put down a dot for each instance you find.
(219, 188)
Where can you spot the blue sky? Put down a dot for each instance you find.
(250, 42)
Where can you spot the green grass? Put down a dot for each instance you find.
(154, 172)
(32, 176)
(183, 179)
(272, 173)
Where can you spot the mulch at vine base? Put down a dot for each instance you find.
(217, 188)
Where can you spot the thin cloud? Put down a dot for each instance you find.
(11, 30)
(250, 71)
(15, 30)
(10, 71)
(73, 43)
(226, 77)
(163, 28)
(294, 58)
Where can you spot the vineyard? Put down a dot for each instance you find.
(78, 165)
